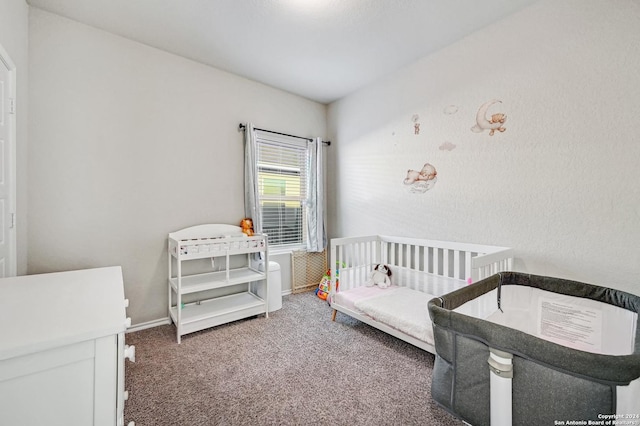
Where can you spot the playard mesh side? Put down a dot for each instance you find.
(550, 381)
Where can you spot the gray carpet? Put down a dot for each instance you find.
(294, 368)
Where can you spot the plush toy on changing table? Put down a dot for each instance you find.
(247, 226)
(380, 276)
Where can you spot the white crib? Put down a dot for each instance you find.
(421, 270)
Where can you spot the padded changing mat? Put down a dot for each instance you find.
(403, 309)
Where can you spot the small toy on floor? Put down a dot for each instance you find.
(324, 287)
(380, 276)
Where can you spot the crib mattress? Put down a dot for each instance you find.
(349, 298)
(401, 308)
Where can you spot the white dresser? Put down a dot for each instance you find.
(62, 348)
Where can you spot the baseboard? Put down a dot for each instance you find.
(148, 324)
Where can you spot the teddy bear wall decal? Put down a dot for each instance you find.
(492, 123)
(421, 181)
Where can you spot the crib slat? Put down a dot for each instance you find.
(436, 261)
(445, 263)
(361, 261)
(346, 249)
(341, 261)
(407, 257)
(467, 265)
(456, 264)
(411, 258)
(356, 261)
(425, 258)
(392, 254)
(352, 261)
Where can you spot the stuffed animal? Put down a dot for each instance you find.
(380, 276)
(247, 226)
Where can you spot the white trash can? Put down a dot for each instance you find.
(275, 286)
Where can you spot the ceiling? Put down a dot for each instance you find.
(318, 49)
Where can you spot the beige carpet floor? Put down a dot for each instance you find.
(294, 368)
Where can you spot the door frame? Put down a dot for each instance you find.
(11, 265)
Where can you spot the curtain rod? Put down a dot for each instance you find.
(242, 127)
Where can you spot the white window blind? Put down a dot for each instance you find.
(282, 187)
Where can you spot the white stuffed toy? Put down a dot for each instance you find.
(380, 276)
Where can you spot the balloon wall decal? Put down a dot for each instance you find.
(450, 109)
(416, 124)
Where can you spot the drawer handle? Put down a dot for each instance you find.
(127, 322)
(130, 353)
(126, 303)
(125, 395)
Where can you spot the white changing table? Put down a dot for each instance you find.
(62, 348)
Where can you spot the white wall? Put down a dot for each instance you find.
(560, 184)
(14, 15)
(129, 143)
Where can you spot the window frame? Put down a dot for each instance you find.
(289, 145)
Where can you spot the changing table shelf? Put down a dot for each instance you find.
(224, 245)
(217, 311)
(213, 280)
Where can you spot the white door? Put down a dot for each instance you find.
(7, 166)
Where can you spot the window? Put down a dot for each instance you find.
(282, 188)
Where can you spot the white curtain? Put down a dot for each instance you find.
(317, 236)
(251, 209)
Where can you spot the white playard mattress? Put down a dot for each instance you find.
(571, 321)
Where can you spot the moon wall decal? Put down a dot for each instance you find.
(495, 122)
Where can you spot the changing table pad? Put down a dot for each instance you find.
(403, 309)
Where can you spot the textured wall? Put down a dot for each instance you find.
(560, 184)
(129, 143)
